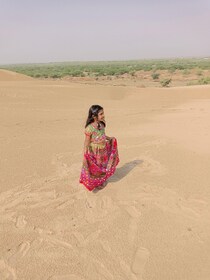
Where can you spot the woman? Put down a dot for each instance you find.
(100, 151)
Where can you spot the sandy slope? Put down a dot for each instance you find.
(6, 75)
(151, 222)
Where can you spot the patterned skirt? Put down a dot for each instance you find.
(99, 164)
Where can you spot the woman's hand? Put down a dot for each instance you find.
(86, 144)
(110, 139)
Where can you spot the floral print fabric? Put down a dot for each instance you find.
(100, 160)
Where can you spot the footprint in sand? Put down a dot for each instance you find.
(102, 270)
(65, 204)
(21, 252)
(127, 271)
(133, 212)
(5, 217)
(153, 166)
(20, 221)
(6, 272)
(105, 246)
(80, 238)
(91, 237)
(90, 202)
(106, 202)
(58, 242)
(133, 226)
(62, 169)
(132, 231)
(140, 259)
(37, 242)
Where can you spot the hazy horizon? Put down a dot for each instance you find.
(85, 31)
(98, 61)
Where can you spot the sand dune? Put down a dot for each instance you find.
(6, 75)
(151, 222)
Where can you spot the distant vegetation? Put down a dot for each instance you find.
(108, 68)
(117, 69)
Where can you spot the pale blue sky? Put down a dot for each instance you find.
(85, 30)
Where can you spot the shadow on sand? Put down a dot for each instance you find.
(121, 173)
(124, 170)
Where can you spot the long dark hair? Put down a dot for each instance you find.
(93, 112)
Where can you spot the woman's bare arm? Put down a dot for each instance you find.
(86, 143)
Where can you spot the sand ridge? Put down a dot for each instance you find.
(6, 75)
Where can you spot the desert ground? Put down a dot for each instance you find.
(151, 221)
(142, 79)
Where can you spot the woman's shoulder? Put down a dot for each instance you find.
(89, 129)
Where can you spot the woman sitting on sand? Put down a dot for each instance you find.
(100, 151)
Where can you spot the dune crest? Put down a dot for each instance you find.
(6, 75)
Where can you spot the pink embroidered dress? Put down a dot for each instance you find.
(100, 160)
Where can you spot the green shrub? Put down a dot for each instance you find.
(36, 75)
(199, 73)
(155, 76)
(165, 82)
(204, 81)
(110, 72)
(132, 73)
(172, 69)
(55, 76)
(192, 83)
(186, 72)
(77, 73)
